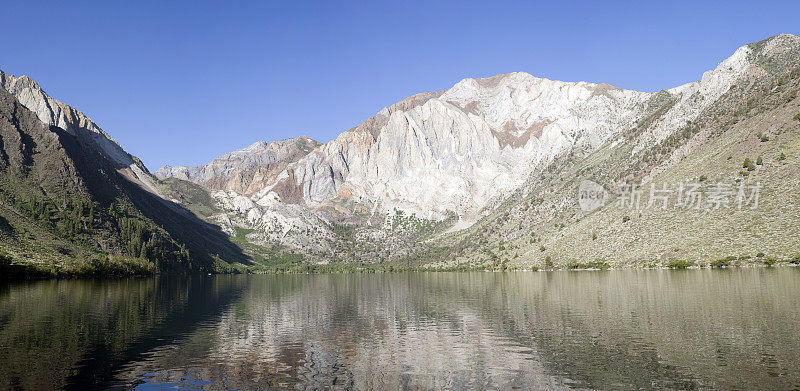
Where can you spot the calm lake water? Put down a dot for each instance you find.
(683, 329)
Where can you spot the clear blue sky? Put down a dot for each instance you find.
(182, 82)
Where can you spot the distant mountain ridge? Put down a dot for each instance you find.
(247, 170)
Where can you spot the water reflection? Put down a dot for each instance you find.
(591, 330)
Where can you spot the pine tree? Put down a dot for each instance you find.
(90, 221)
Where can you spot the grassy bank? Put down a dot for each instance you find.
(99, 265)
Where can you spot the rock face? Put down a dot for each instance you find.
(454, 151)
(247, 170)
(53, 112)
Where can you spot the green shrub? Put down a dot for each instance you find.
(596, 264)
(795, 260)
(572, 265)
(114, 265)
(760, 161)
(748, 164)
(782, 157)
(721, 262)
(625, 219)
(770, 261)
(760, 255)
(5, 258)
(679, 264)
(797, 117)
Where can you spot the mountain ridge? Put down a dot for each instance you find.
(54, 112)
(483, 174)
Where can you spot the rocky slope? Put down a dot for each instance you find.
(233, 178)
(53, 112)
(734, 131)
(72, 201)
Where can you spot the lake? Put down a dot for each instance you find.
(621, 329)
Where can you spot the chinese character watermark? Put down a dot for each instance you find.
(689, 195)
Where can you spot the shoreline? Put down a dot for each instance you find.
(376, 270)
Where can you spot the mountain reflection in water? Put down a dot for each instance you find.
(735, 328)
